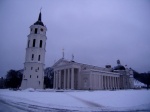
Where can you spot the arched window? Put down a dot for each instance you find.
(35, 31)
(39, 58)
(34, 40)
(32, 58)
(40, 44)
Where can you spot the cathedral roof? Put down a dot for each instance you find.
(63, 62)
(39, 22)
(119, 67)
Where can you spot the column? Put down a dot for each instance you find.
(108, 83)
(59, 79)
(68, 82)
(112, 82)
(54, 81)
(104, 83)
(115, 82)
(118, 83)
(72, 78)
(64, 78)
(101, 82)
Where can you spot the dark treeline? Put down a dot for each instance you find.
(49, 77)
(142, 77)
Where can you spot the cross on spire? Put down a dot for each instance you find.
(63, 53)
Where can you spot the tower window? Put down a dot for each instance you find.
(37, 76)
(31, 68)
(39, 58)
(40, 44)
(38, 68)
(34, 42)
(35, 31)
(30, 76)
(41, 29)
(32, 57)
(28, 43)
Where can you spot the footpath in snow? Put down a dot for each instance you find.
(66, 101)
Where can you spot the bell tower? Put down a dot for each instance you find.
(33, 75)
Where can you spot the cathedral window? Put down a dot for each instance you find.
(35, 31)
(37, 76)
(30, 76)
(38, 68)
(34, 42)
(32, 57)
(40, 44)
(39, 58)
(28, 43)
(31, 68)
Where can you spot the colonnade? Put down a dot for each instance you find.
(64, 79)
(110, 82)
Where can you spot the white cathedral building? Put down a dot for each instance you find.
(78, 76)
(69, 74)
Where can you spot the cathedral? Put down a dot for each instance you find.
(69, 74)
(78, 76)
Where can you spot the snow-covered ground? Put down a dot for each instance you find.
(57, 101)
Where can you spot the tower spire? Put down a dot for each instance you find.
(39, 19)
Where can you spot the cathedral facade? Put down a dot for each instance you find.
(78, 76)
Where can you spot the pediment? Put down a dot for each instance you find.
(60, 62)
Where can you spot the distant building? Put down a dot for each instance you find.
(138, 84)
(33, 75)
(78, 76)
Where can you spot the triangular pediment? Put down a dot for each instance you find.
(60, 62)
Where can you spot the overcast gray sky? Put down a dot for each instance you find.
(97, 32)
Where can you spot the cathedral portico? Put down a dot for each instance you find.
(66, 77)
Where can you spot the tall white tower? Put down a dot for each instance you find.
(33, 75)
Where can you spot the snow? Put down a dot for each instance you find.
(80, 100)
